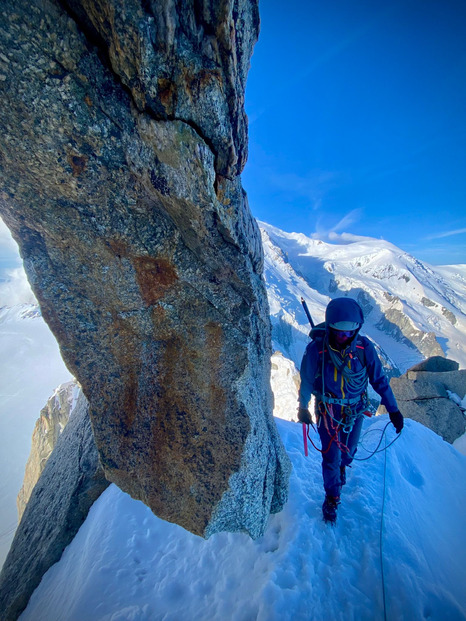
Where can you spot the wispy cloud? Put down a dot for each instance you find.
(346, 238)
(15, 289)
(446, 234)
(337, 233)
(348, 220)
(14, 286)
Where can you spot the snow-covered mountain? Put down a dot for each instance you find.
(126, 564)
(412, 310)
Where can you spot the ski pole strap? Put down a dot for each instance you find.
(305, 439)
(335, 401)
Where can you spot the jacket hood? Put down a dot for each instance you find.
(343, 310)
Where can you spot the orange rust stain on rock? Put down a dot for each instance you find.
(78, 163)
(167, 94)
(154, 276)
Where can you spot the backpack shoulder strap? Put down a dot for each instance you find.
(317, 334)
(361, 351)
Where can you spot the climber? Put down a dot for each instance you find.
(336, 367)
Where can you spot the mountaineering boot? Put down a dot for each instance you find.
(342, 475)
(329, 508)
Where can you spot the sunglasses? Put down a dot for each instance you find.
(344, 334)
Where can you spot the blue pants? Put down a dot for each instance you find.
(334, 458)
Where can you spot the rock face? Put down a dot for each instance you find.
(52, 420)
(422, 395)
(68, 486)
(123, 137)
(398, 325)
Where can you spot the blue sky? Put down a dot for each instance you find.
(357, 122)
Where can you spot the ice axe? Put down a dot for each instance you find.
(306, 310)
(308, 315)
(305, 439)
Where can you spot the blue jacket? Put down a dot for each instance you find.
(311, 375)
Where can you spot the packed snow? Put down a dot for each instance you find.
(398, 545)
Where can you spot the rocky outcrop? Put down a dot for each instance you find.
(422, 394)
(400, 327)
(123, 137)
(445, 312)
(68, 486)
(435, 364)
(52, 420)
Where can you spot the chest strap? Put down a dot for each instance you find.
(335, 401)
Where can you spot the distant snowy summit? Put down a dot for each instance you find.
(413, 310)
(18, 312)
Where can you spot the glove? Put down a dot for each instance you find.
(397, 420)
(304, 416)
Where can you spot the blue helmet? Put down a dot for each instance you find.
(344, 314)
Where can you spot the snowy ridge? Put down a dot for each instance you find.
(125, 564)
(405, 301)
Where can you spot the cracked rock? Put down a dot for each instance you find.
(423, 396)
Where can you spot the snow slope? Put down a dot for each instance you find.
(386, 282)
(30, 369)
(125, 564)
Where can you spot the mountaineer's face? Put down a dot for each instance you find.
(341, 338)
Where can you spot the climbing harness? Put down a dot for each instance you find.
(335, 401)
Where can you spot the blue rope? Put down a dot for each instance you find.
(356, 381)
(381, 530)
(378, 445)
